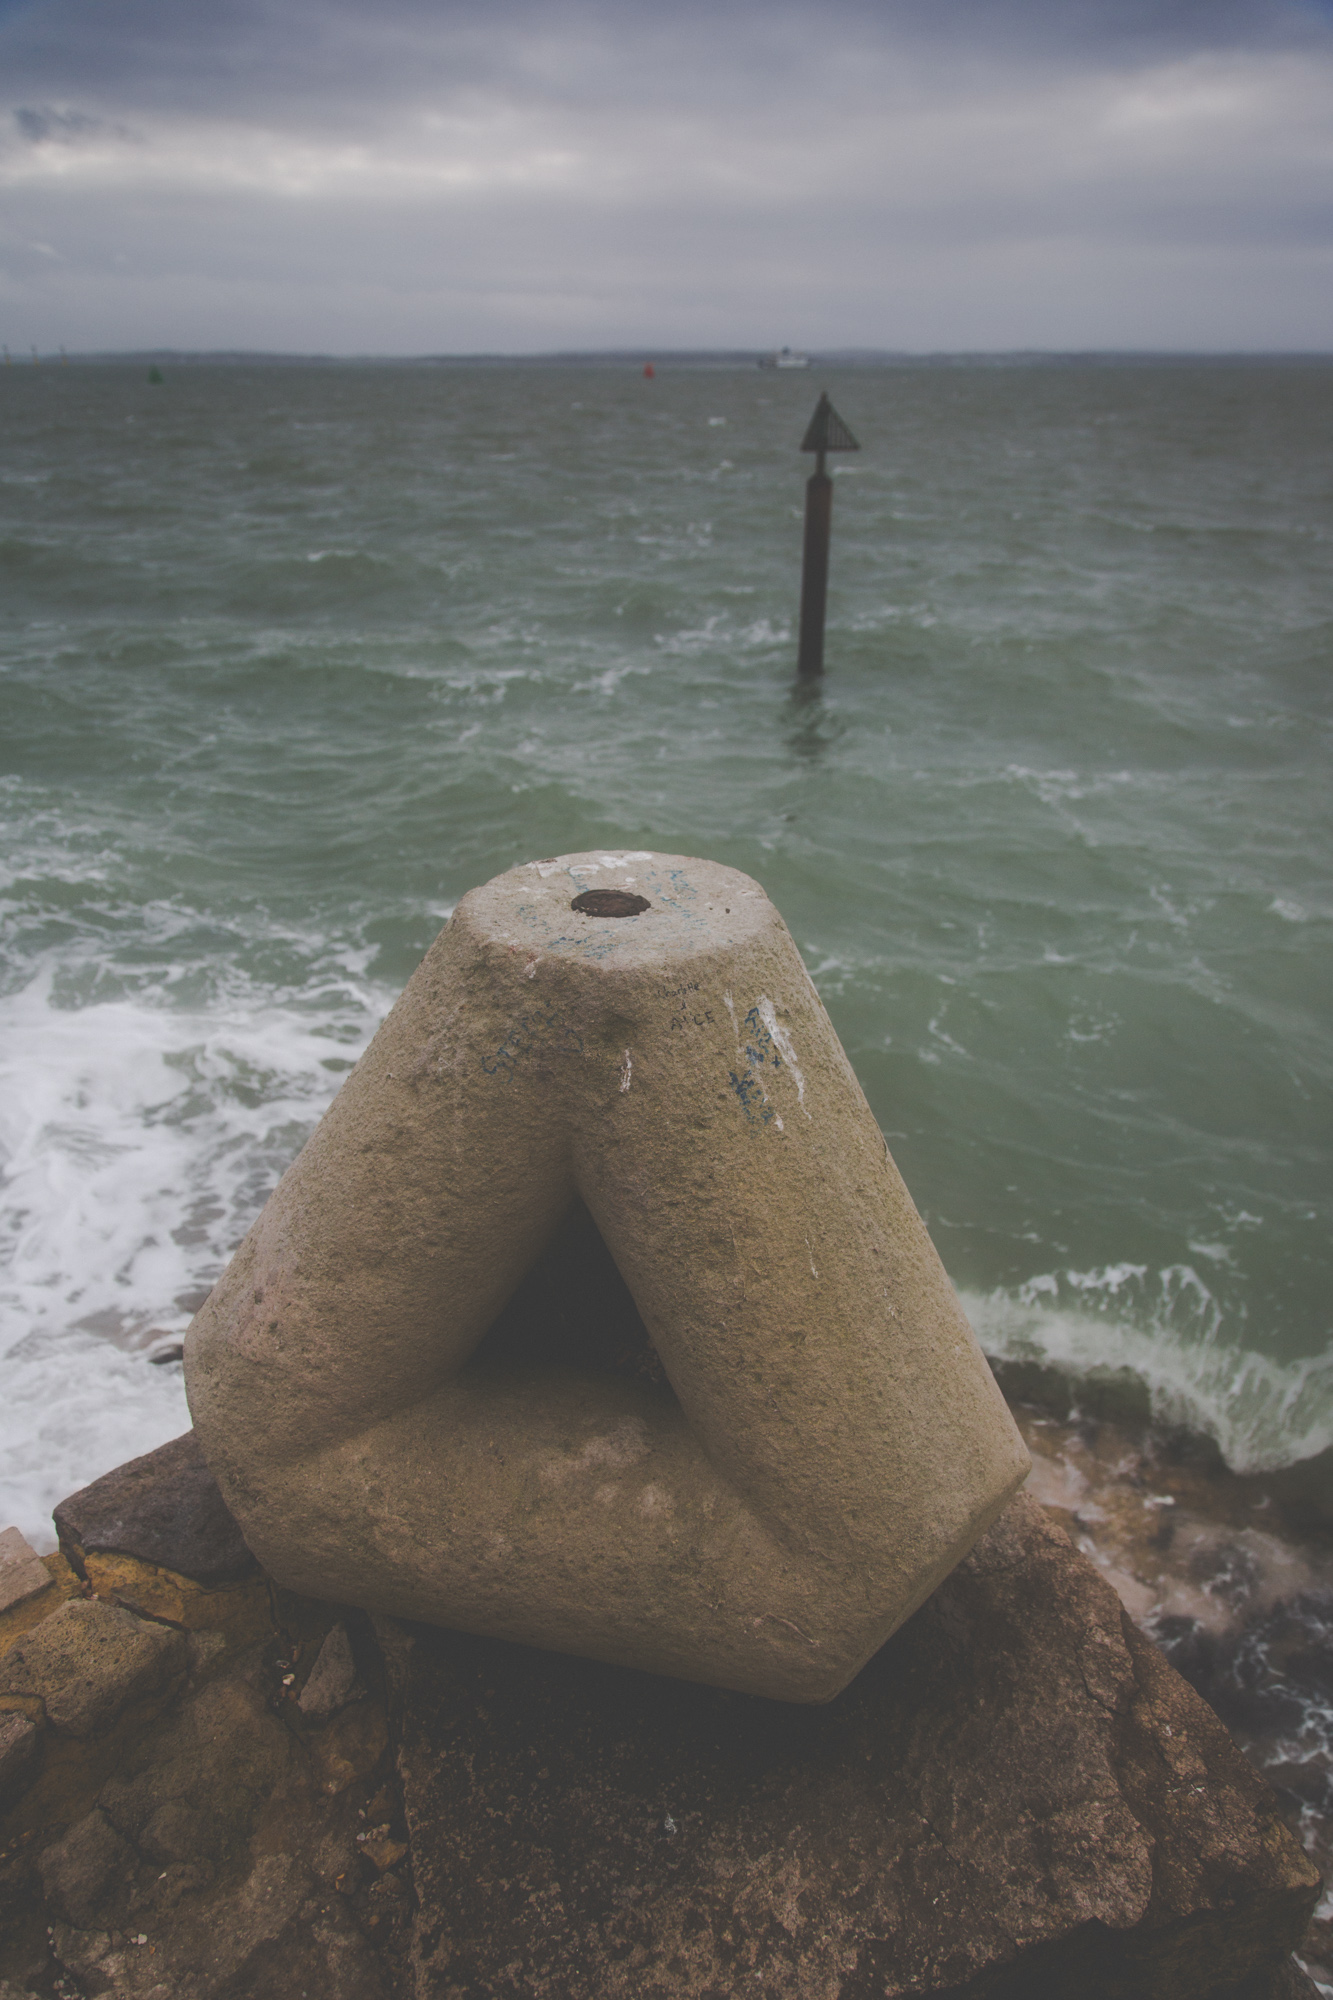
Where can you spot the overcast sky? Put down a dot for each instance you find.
(449, 176)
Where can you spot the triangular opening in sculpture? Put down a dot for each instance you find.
(573, 1310)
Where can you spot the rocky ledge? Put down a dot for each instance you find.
(214, 1790)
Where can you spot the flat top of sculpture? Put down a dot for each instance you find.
(624, 907)
(626, 1043)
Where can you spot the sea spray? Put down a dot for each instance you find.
(1163, 1331)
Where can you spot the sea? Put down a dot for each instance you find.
(295, 653)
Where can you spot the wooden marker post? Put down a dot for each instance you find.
(826, 431)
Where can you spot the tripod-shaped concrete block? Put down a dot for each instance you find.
(831, 1441)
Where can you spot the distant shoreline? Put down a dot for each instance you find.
(685, 358)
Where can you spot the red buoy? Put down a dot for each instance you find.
(649, 370)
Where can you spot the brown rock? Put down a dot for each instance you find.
(332, 1681)
(1018, 1796)
(20, 1753)
(350, 1747)
(61, 1583)
(238, 1611)
(164, 1508)
(266, 1937)
(1289, 1982)
(204, 1778)
(187, 1852)
(81, 1871)
(22, 1573)
(383, 1851)
(88, 1661)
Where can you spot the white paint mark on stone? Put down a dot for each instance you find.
(809, 1251)
(772, 1618)
(626, 1071)
(546, 868)
(768, 1015)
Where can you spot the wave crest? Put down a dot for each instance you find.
(1166, 1331)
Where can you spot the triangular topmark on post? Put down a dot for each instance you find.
(826, 430)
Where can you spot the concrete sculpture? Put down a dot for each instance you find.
(637, 1030)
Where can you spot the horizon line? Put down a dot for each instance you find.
(828, 356)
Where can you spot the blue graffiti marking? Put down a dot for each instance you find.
(540, 1033)
(751, 1094)
(761, 1050)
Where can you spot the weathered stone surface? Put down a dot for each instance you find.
(79, 1871)
(1016, 1752)
(61, 1583)
(273, 1935)
(238, 1611)
(87, 1661)
(351, 1744)
(332, 1681)
(22, 1573)
(1289, 1982)
(202, 1845)
(828, 1440)
(20, 1749)
(164, 1508)
(215, 1864)
(1017, 1797)
(204, 1779)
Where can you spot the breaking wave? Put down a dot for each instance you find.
(1164, 1331)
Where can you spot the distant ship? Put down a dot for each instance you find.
(785, 358)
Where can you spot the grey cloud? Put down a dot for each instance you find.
(508, 174)
(230, 55)
(51, 124)
(42, 125)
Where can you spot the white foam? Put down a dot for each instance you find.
(137, 1142)
(1166, 1329)
(72, 1410)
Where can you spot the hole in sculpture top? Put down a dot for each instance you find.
(609, 903)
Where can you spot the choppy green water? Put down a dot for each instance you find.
(292, 656)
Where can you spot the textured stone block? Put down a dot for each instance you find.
(1017, 1797)
(79, 1871)
(20, 1754)
(823, 1440)
(22, 1572)
(203, 1779)
(163, 1508)
(61, 1583)
(332, 1681)
(88, 1661)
